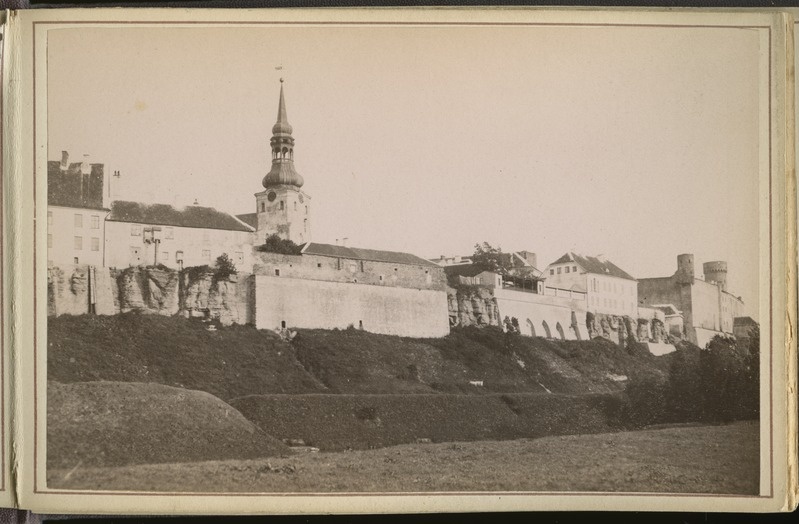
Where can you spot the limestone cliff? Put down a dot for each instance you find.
(192, 292)
(625, 329)
(472, 306)
(226, 300)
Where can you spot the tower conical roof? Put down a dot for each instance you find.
(282, 126)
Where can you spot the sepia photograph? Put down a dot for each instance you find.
(405, 258)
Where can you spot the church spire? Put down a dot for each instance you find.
(282, 143)
(282, 125)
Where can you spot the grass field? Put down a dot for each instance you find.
(688, 459)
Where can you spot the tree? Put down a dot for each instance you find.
(489, 258)
(275, 244)
(224, 267)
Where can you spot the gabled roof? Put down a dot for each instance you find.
(251, 219)
(354, 253)
(71, 188)
(594, 265)
(166, 215)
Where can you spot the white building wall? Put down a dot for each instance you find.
(612, 295)
(199, 246)
(533, 310)
(75, 236)
(327, 305)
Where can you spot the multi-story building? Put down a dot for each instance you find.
(76, 212)
(606, 287)
(141, 234)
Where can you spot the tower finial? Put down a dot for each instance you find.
(281, 79)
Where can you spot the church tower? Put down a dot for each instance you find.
(282, 207)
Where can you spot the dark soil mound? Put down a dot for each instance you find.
(113, 423)
(336, 422)
(230, 362)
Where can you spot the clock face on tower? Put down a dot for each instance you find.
(271, 196)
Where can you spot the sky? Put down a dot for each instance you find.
(636, 143)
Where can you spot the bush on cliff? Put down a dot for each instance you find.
(275, 244)
(717, 384)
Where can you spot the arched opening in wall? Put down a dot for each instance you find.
(532, 327)
(575, 326)
(547, 332)
(263, 207)
(560, 331)
(283, 324)
(285, 150)
(360, 324)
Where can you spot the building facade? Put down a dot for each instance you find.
(608, 289)
(151, 234)
(707, 308)
(76, 212)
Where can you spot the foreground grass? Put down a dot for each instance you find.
(699, 459)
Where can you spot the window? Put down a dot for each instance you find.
(567, 269)
(75, 261)
(178, 256)
(263, 207)
(318, 264)
(306, 210)
(551, 271)
(95, 222)
(135, 230)
(78, 243)
(49, 240)
(353, 267)
(49, 218)
(381, 278)
(206, 254)
(165, 255)
(362, 268)
(169, 232)
(295, 206)
(78, 220)
(277, 272)
(574, 269)
(282, 205)
(95, 244)
(558, 271)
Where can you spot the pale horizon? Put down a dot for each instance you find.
(636, 143)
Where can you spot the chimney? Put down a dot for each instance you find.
(64, 161)
(601, 257)
(85, 167)
(344, 241)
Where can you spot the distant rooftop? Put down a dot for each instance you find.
(355, 253)
(596, 265)
(167, 215)
(73, 186)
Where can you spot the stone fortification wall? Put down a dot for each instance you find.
(192, 292)
(332, 269)
(543, 315)
(472, 306)
(301, 303)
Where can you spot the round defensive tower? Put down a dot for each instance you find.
(685, 268)
(716, 273)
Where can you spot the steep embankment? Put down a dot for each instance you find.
(237, 361)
